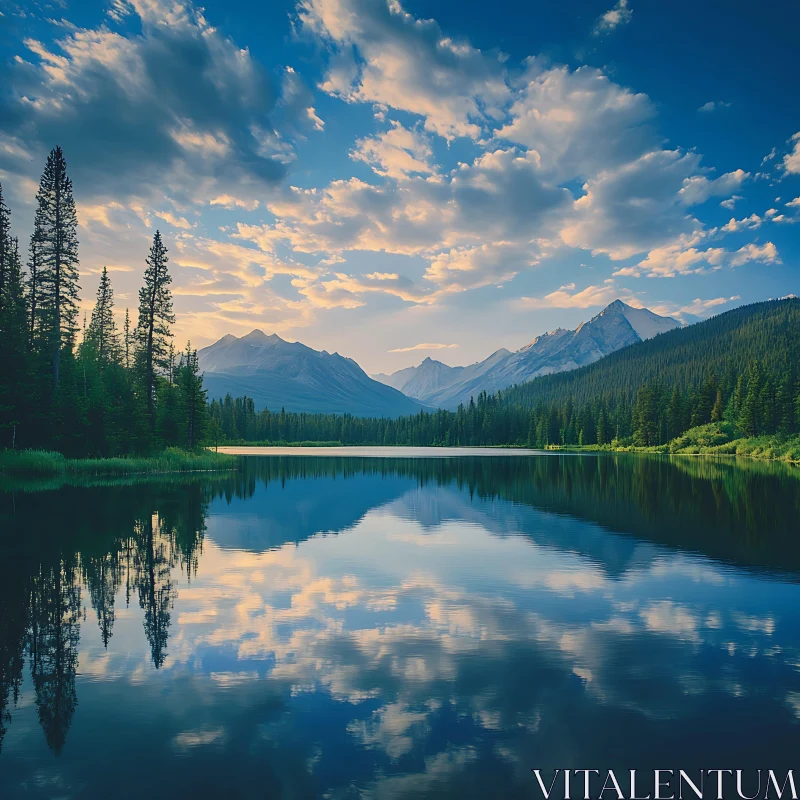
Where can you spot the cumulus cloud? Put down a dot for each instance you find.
(578, 122)
(698, 188)
(747, 223)
(767, 253)
(177, 106)
(791, 161)
(395, 153)
(379, 53)
(424, 346)
(491, 205)
(688, 255)
(613, 18)
(731, 202)
(633, 208)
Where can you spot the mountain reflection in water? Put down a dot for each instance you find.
(337, 626)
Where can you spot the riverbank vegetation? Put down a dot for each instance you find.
(47, 463)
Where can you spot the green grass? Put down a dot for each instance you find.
(46, 463)
(716, 439)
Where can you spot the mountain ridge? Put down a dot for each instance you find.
(618, 325)
(278, 374)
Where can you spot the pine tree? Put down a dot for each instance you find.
(193, 398)
(155, 317)
(13, 353)
(102, 332)
(5, 246)
(56, 225)
(750, 415)
(128, 340)
(602, 427)
(718, 410)
(33, 289)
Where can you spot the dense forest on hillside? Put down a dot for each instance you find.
(97, 391)
(739, 370)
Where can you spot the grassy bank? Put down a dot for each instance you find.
(715, 439)
(46, 463)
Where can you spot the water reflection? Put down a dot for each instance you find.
(395, 627)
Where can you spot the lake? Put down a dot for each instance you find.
(398, 627)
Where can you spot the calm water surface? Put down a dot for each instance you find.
(346, 627)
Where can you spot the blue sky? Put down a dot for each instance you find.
(394, 181)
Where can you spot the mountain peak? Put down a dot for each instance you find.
(257, 334)
(616, 306)
(645, 323)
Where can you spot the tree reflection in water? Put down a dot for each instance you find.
(119, 540)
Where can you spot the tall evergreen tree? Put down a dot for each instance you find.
(102, 331)
(128, 340)
(5, 244)
(33, 288)
(193, 398)
(56, 224)
(155, 317)
(13, 353)
(750, 415)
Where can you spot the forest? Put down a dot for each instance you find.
(92, 390)
(738, 371)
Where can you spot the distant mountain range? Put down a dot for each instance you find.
(279, 374)
(617, 326)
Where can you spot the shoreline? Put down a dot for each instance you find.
(434, 451)
(35, 464)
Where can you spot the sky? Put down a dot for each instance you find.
(393, 181)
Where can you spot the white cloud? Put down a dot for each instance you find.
(747, 223)
(589, 297)
(425, 346)
(697, 189)
(578, 122)
(699, 308)
(613, 18)
(230, 202)
(766, 254)
(395, 153)
(794, 203)
(731, 202)
(175, 99)
(174, 220)
(791, 161)
(686, 256)
(713, 105)
(379, 53)
(634, 207)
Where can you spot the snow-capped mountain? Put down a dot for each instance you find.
(279, 374)
(616, 326)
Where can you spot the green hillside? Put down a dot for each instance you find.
(726, 345)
